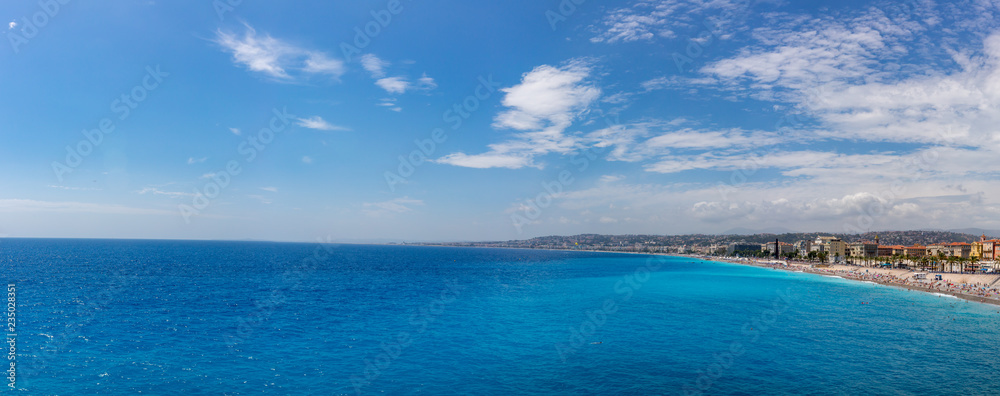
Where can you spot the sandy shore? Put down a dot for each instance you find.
(973, 287)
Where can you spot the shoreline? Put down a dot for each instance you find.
(853, 276)
(873, 275)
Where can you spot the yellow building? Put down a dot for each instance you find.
(977, 250)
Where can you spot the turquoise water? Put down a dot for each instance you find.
(183, 317)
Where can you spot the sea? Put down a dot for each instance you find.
(238, 318)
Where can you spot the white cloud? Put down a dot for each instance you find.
(12, 25)
(545, 103)
(832, 53)
(307, 159)
(318, 123)
(275, 58)
(271, 189)
(548, 95)
(393, 85)
(487, 160)
(192, 160)
(374, 65)
(235, 131)
(395, 206)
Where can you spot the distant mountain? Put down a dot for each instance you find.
(747, 231)
(660, 243)
(978, 231)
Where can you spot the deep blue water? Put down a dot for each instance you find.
(185, 317)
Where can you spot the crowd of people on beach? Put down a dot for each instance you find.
(987, 291)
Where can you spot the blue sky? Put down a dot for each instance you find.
(495, 120)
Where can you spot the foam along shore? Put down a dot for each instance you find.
(973, 287)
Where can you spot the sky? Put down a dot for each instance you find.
(401, 120)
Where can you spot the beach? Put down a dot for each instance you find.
(983, 288)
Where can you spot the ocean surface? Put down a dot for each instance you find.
(239, 318)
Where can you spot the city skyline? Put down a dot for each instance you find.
(397, 120)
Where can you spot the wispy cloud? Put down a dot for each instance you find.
(261, 199)
(277, 59)
(28, 205)
(156, 191)
(318, 123)
(649, 19)
(74, 188)
(235, 131)
(307, 159)
(425, 82)
(192, 160)
(271, 189)
(396, 85)
(395, 206)
(374, 65)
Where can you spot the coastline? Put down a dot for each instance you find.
(874, 275)
(856, 275)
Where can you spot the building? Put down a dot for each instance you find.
(915, 251)
(986, 249)
(886, 250)
(803, 246)
(835, 248)
(960, 249)
(936, 249)
(742, 248)
(954, 249)
(785, 248)
(991, 250)
(863, 249)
